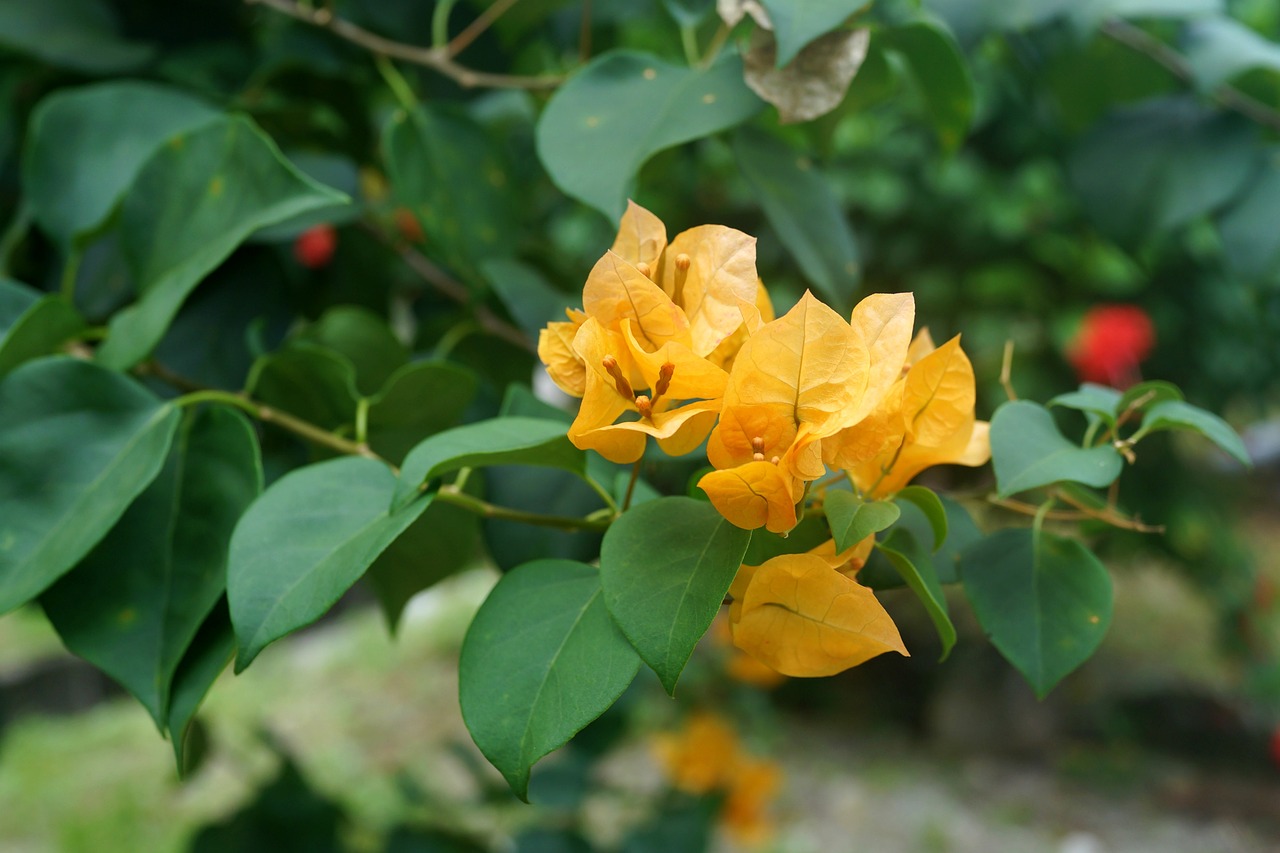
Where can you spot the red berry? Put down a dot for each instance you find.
(314, 247)
(1111, 342)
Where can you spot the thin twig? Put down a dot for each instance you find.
(631, 485)
(584, 33)
(437, 59)
(484, 509)
(1081, 513)
(1006, 371)
(451, 288)
(1176, 64)
(478, 26)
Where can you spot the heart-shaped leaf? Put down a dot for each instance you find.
(853, 519)
(1027, 452)
(1175, 414)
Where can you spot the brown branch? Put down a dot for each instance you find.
(473, 31)
(1176, 64)
(451, 288)
(1080, 514)
(437, 59)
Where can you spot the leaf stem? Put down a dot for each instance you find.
(440, 23)
(484, 509)
(70, 271)
(602, 492)
(631, 485)
(716, 45)
(396, 83)
(689, 41)
(478, 26)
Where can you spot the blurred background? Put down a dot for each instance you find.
(1097, 182)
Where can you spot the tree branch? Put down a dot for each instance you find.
(1176, 64)
(437, 59)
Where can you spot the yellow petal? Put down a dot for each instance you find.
(616, 291)
(641, 236)
(721, 273)
(701, 758)
(849, 561)
(804, 619)
(564, 366)
(883, 323)
(693, 378)
(873, 438)
(754, 495)
(938, 398)
(978, 450)
(678, 432)
(921, 346)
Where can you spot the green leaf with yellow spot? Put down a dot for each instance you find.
(197, 198)
(625, 106)
(133, 606)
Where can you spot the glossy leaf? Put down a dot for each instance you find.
(32, 324)
(77, 445)
(931, 505)
(304, 542)
(1150, 393)
(798, 22)
(1027, 452)
(625, 106)
(501, 441)
(133, 606)
(1175, 414)
(418, 400)
(1044, 600)
(307, 381)
(86, 146)
(206, 657)
(912, 562)
(364, 339)
(541, 660)
(528, 296)
(1097, 401)
(80, 35)
(803, 210)
(188, 208)
(853, 519)
(940, 72)
(663, 590)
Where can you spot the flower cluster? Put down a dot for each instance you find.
(678, 341)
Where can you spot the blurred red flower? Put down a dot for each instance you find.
(314, 247)
(1111, 342)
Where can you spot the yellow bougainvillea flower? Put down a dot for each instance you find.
(555, 347)
(927, 420)
(803, 618)
(746, 814)
(797, 380)
(678, 407)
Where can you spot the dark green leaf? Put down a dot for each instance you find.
(972, 19)
(1027, 452)
(798, 22)
(853, 519)
(418, 400)
(1044, 600)
(134, 604)
(364, 339)
(32, 324)
(77, 444)
(551, 841)
(529, 297)
(304, 542)
(1150, 393)
(1097, 401)
(684, 827)
(1089, 14)
(307, 381)
(931, 505)
(188, 208)
(803, 210)
(625, 106)
(1220, 48)
(414, 840)
(82, 35)
(912, 561)
(665, 567)
(445, 170)
(500, 441)
(1248, 240)
(811, 532)
(961, 533)
(208, 655)
(86, 146)
(940, 73)
(541, 660)
(1156, 166)
(1175, 414)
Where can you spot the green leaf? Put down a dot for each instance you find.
(1153, 167)
(961, 533)
(32, 324)
(307, 381)
(499, 441)
(443, 541)
(1248, 240)
(134, 604)
(912, 562)
(625, 106)
(1027, 452)
(444, 169)
(940, 72)
(77, 444)
(419, 400)
(811, 532)
(931, 505)
(541, 660)
(1090, 13)
(1097, 401)
(973, 19)
(529, 297)
(688, 13)
(801, 207)
(798, 22)
(208, 655)
(853, 519)
(190, 206)
(1151, 392)
(1044, 600)
(1219, 49)
(364, 339)
(304, 542)
(1175, 414)
(666, 567)
(81, 35)
(86, 146)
